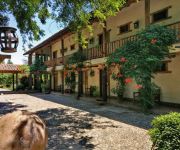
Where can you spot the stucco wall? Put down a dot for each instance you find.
(170, 82)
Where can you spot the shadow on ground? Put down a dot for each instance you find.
(67, 128)
(123, 115)
(8, 107)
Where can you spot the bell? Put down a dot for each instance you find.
(8, 39)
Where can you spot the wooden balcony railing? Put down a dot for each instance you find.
(100, 51)
(176, 27)
(105, 50)
(54, 62)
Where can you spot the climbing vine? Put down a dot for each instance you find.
(138, 60)
(38, 66)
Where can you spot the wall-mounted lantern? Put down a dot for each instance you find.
(8, 39)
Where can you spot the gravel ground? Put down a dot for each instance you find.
(80, 125)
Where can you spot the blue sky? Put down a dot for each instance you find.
(50, 28)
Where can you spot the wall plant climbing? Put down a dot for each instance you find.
(138, 60)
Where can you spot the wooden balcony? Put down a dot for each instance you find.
(54, 62)
(108, 48)
(105, 50)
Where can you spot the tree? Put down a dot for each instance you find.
(76, 14)
(140, 59)
(9, 61)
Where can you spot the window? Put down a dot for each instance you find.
(163, 67)
(124, 28)
(72, 47)
(100, 39)
(91, 41)
(55, 54)
(160, 15)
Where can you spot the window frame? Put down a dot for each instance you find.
(159, 11)
(166, 62)
(74, 47)
(123, 25)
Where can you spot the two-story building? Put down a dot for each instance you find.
(119, 29)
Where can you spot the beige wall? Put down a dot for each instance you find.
(57, 47)
(170, 82)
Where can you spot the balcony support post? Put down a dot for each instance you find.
(63, 63)
(104, 84)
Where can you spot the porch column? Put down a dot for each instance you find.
(62, 90)
(16, 80)
(104, 84)
(147, 12)
(13, 81)
(30, 80)
(80, 73)
(50, 79)
(63, 63)
(30, 59)
(80, 82)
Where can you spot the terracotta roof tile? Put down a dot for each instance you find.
(9, 68)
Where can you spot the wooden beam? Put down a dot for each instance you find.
(147, 12)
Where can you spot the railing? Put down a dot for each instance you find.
(95, 52)
(54, 62)
(176, 27)
(99, 52)
(112, 46)
(105, 50)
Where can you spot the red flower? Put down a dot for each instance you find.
(138, 86)
(78, 69)
(119, 75)
(123, 59)
(128, 80)
(153, 41)
(65, 73)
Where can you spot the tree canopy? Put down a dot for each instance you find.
(74, 13)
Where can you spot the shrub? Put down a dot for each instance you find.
(24, 81)
(20, 87)
(165, 133)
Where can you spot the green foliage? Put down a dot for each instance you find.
(77, 59)
(20, 87)
(139, 59)
(24, 82)
(24, 68)
(92, 73)
(165, 133)
(70, 80)
(94, 91)
(6, 79)
(38, 66)
(9, 61)
(119, 89)
(75, 13)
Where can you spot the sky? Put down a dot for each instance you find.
(50, 28)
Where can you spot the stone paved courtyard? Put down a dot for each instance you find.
(80, 125)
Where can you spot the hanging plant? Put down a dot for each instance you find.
(92, 73)
(70, 80)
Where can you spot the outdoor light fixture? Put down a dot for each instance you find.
(8, 39)
(136, 24)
